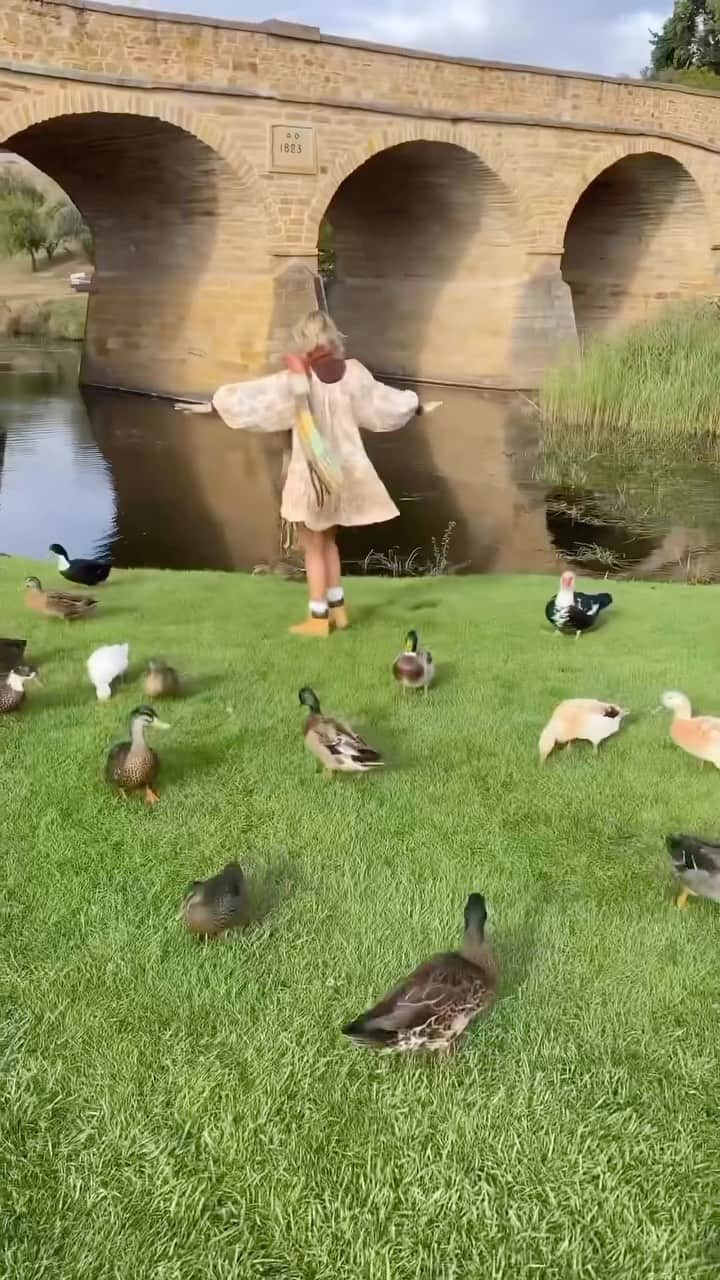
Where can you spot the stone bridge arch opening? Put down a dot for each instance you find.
(637, 239)
(177, 249)
(425, 263)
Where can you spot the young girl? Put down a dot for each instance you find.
(325, 400)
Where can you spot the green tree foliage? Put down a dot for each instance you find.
(689, 40)
(32, 223)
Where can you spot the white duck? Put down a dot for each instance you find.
(105, 665)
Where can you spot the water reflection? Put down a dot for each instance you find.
(104, 472)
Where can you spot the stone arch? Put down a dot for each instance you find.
(182, 298)
(637, 237)
(427, 257)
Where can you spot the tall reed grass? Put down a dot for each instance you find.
(658, 384)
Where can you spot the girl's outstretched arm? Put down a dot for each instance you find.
(264, 404)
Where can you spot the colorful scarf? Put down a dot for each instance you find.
(325, 472)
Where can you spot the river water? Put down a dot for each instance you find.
(111, 473)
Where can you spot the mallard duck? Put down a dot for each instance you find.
(87, 572)
(432, 1007)
(696, 864)
(338, 748)
(12, 688)
(133, 765)
(161, 680)
(215, 906)
(57, 604)
(698, 735)
(581, 718)
(414, 667)
(575, 611)
(106, 665)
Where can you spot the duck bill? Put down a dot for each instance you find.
(161, 724)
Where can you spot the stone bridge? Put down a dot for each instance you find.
(485, 216)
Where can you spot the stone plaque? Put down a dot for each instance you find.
(293, 148)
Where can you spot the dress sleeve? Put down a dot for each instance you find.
(377, 407)
(266, 404)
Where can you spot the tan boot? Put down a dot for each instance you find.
(339, 617)
(312, 627)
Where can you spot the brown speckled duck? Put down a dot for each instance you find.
(12, 688)
(57, 604)
(432, 1007)
(215, 906)
(133, 765)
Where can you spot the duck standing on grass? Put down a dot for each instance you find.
(215, 906)
(105, 665)
(698, 735)
(57, 604)
(696, 864)
(88, 573)
(133, 765)
(580, 718)
(161, 680)
(572, 610)
(432, 1007)
(12, 688)
(338, 748)
(414, 668)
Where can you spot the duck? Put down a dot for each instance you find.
(106, 665)
(133, 765)
(12, 688)
(57, 604)
(572, 610)
(414, 667)
(433, 1005)
(581, 718)
(338, 748)
(88, 573)
(217, 905)
(696, 864)
(161, 680)
(698, 735)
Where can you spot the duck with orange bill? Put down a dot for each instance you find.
(572, 611)
(698, 735)
(584, 719)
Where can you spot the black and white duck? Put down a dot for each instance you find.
(696, 864)
(87, 572)
(12, 688)
(575, 611)
(214, 906)
(432, 1007)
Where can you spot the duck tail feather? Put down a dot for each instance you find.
(604, 599)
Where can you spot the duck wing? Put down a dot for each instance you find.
(436, 1000)
(690, 853)
(343, 744)
(590, 603)
(115, 763)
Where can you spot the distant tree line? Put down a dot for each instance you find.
(32, 222)
(686, 50)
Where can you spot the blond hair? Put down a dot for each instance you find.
(318, 330)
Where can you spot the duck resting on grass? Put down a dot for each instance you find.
(696, 864)
(161, 680)
(133, 765)
(105, 665)
(575, 611)
(431, 1008)
(57, 604)
(698, 735)
(217, 905)
(12, 688)
(580, 718)
(88, 573)
(414, 667)
(338, 748)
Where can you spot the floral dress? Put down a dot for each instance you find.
(341, 410)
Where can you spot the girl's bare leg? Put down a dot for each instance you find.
(313, 545)
(335, 595)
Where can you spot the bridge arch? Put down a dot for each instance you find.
(182, 230)
(638, 237)
(425, 234)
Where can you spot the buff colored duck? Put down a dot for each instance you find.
(57, 604)
(161, 680)
(698, 735)
(586, 719)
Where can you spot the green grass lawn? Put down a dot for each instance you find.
(172, 1111)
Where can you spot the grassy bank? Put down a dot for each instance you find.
(657, 384)
(172, 1111)
(41, 304)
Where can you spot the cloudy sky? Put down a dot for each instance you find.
(583, 35)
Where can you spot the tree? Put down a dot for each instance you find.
(30, 222)
(689, 39)
(23, 227)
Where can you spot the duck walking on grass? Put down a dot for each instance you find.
(161, 680)
(338, 748)
(88, 573)
(580, 718)
(575, 611)
(105, 665)
(698, 735)
(432, 1007)
(57, 604)
(12, 688)
(696, 863)
(215, 906)
(414, 667)
(133, 765)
